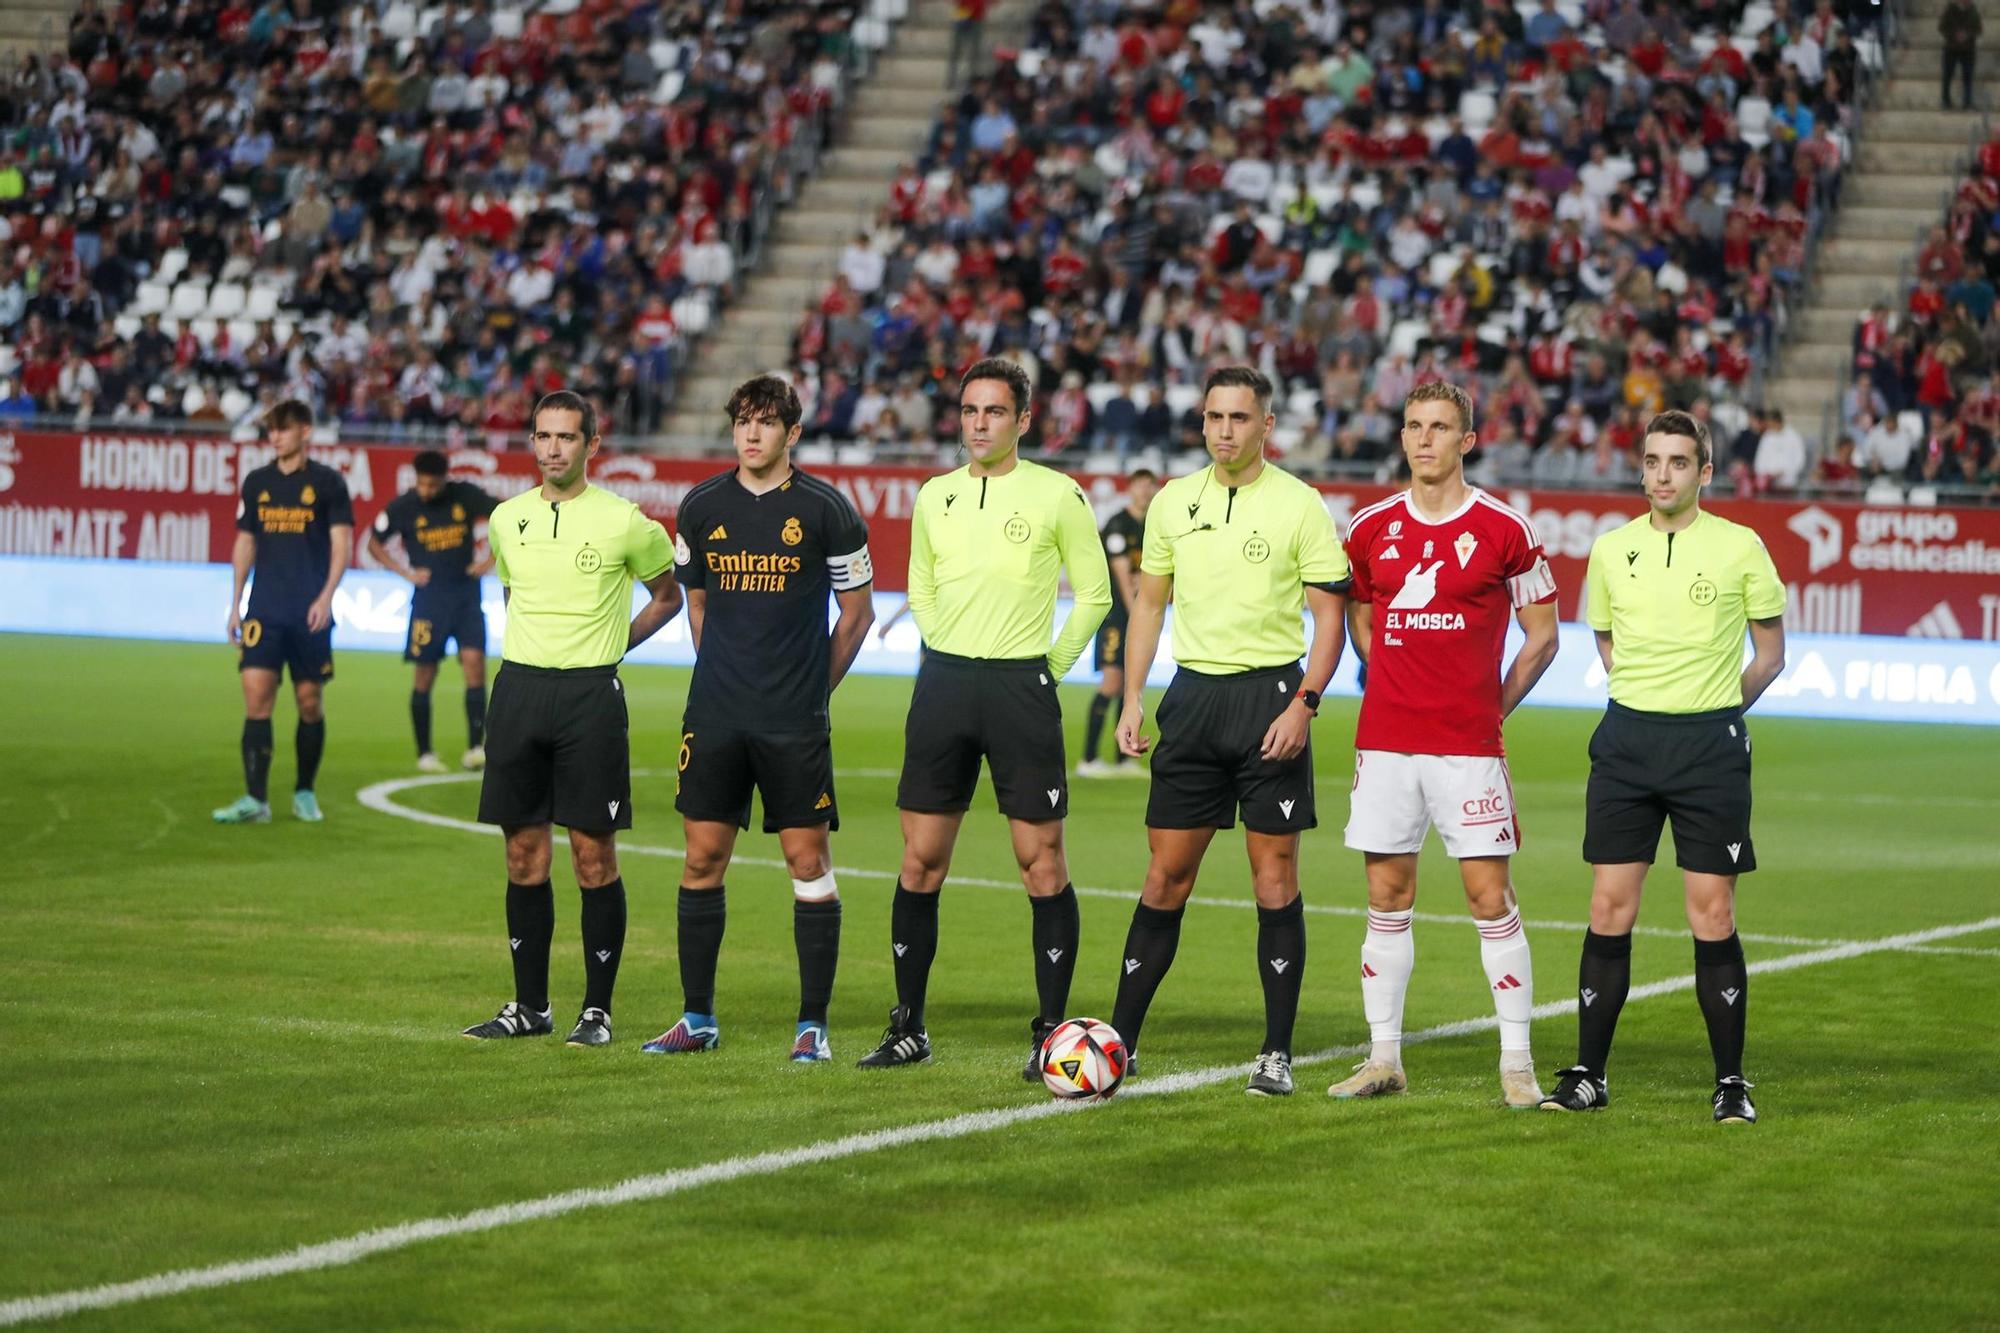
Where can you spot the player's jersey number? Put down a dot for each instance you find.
(253, 633)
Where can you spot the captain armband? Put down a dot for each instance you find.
(1532, 585)
(849, 572)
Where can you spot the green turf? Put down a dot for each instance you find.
(219, 1043)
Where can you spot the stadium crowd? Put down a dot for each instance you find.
(407, 217)
(1922, 401)
(1582, 212)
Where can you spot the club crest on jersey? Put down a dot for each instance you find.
(263, 497)
(1428, 548)
(1016, 530)
(308, 495)
(792, 534)
(1256, 550)
(1464, 547)
(458, 513)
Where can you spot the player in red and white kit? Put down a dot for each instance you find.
(1437, 570)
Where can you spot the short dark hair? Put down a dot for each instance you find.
(566, 400)
(766, 396)
(1143, 474)
(1240, 377)
(1677, 422)
(288, 412)
(1007, 372)
(430, 463)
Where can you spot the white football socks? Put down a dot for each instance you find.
(1503, 950)
(1388, 956)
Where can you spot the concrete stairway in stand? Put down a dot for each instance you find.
(1912, 156)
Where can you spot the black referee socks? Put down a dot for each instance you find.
(1722, 985)
(257, 757)
(1602, 979)
(531, 924)
(913, 932)
(1093, 730)
(1150, 945)
(816, 936)
(1056, 931)
(1281, 965)
(702, 915)
(603, 942)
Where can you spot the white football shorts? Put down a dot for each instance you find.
(1396, 799)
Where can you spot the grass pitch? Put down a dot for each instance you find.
(220, 1044)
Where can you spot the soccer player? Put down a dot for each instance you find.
(434, 520)
(759, 549)
(1669, 596)
(1124, 537)
(987, 543)
(1437, 570)
(557, 749)
(295, 532)
(1242, 548)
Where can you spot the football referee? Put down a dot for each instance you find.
(1670, 594)
(556, 745)
(1243, 548)
(987, 543)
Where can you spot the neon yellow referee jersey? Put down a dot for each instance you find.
(984, 556)
(1676, 604)
(1240, 560)
(569, 566)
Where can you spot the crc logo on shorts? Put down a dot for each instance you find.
(1491, 803)
(1701, 592)
(1256, 550)
(792, 534)
(588, 560)
(1017, 530)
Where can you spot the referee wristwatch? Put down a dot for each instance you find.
(1310, 698)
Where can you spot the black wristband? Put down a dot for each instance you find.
(1310, 698)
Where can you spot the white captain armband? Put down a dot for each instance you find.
(1532, 585)
(849, 572)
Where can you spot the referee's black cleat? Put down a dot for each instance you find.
(512, 1021)
(1732, 1102)
(903, 1043)
(1038, 1038)
(1577, 1089)
(593, 1028)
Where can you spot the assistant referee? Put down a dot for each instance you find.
(1670, 595)
(1243, 548)
(987, 544)
(556, 745)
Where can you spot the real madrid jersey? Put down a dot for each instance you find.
(291, 514)
(766, 565)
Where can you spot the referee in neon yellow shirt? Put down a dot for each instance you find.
(1244, 549)
(987, 543)
(557, 751)
(1670, 595)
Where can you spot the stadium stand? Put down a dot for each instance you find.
(414, 216)
(1609, 204)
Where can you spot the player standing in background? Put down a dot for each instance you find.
(1124, 538)
(295, 531)
(434, 519)
(1437, 569)
(987, 545)
(1670, 595)
(759, 549)
(557, 742)
(1242, 548)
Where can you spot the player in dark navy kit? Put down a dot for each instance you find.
(1124, 537)
(434, 520)
(758, 550)
(294, 532)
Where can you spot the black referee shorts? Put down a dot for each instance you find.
(1691, 768)
(793, 771)
(557, 749)
(1003, 710)
(275, 645)
(437, 615)
(1109, 654)
(1208, 762)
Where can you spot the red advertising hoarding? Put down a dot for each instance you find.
(1850, 568)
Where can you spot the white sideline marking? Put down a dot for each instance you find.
(362, 1244)
(378, 797)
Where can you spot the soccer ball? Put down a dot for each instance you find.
(1083, 1059)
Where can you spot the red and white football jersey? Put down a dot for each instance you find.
(1443, 593)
